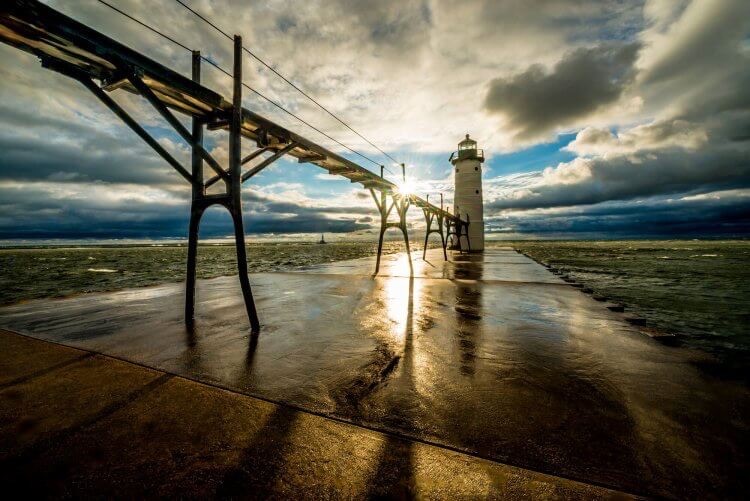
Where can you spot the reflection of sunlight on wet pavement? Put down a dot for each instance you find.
(399, 267)
(397, 292)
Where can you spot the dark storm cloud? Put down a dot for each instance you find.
(71, 225)
(538, 100)
(722, 214)
(257, 201)
(88, 156)
(103, 210)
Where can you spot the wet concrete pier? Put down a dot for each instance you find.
(486, 375)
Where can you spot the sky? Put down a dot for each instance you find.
(598, 119)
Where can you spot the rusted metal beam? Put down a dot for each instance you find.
(42, 25)
(339, 169)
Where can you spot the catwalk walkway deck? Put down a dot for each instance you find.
(489, 356)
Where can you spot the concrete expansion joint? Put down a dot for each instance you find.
(45, 371)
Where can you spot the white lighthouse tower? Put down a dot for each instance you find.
(467, 200)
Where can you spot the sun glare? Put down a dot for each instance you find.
(406, 187)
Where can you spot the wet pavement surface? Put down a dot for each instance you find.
(83, 425)
(487, 354)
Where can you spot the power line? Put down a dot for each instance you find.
(289, 112)
(215, 65)
(261, 61)
(154, 30)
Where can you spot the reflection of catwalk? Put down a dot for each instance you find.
(322, 239)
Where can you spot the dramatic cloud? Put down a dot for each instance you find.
(538, 101)
(625, 176)
(693, 75)
(665, 134)
(655, 94)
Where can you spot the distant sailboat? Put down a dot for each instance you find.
(322, 240)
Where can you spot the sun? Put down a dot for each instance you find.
(406, 187)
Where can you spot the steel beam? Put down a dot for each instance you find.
(146, 92)
(255, 154)
(268, 161)
(312, 158)
(130, 122)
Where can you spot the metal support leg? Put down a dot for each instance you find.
(426, 235)
(429, 218)
(383, 217)
(442, 239)
(235, 176)
(195, 219)
(466, 228)
(239, 241)
(196, 212)
(232, 200)
(402, 206)
(408, 252)
(380, 250)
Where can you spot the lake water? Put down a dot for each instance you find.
(697, 290)
(31, 273)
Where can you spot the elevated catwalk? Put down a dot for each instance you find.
(490, 355)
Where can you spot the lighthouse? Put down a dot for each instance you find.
(467, 200)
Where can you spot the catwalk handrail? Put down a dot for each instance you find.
(59, 40)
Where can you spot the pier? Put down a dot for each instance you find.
(86, 56)
(482, 376)
(454, 374)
